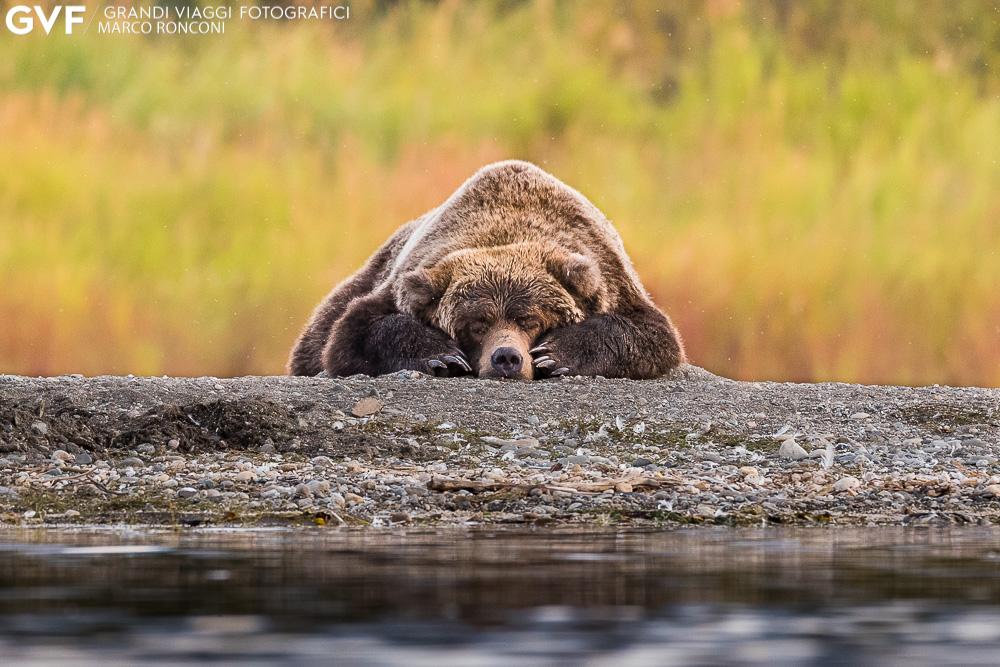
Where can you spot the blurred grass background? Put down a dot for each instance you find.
(811, 189)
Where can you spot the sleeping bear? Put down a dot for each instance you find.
(516, 275)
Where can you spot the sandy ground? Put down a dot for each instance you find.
(407, 448)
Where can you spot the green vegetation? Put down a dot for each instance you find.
(811, 189)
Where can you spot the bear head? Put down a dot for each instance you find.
(496, 302)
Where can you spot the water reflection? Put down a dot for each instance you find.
(874, 596)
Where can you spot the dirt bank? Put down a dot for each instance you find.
(409, 448)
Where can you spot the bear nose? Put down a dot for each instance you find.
(506, 360)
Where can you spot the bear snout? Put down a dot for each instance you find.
(505, 354)
(507, 361)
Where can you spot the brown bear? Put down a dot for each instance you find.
(516, 275)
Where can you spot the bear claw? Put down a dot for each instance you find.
(460, 361)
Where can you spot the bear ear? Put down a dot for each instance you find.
(418, 292)
(581, 277)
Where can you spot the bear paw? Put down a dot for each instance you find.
(451, 364)
(545, 362)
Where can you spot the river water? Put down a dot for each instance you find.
(500, 597)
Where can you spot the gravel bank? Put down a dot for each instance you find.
(407, 448)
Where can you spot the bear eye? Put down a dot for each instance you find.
(478, 329)
(528, 323)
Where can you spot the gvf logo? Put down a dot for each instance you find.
(21, 18)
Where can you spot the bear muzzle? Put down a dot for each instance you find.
(505, 355)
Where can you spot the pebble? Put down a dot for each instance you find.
(792, 450)
(993, 490)
(133, 462)
(318, 487)
(83, 459)
(187, 492)
(706, 511)
(846, 484)
(62, 455)
(246, 476)
(509, 445)
(41, 428)
(366, 407)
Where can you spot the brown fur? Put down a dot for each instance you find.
(513, 254)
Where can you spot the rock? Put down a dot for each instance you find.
(529, 452)
(846, 484)
(860, 415)
(705, 511)
(62, 455)
(268, 448)
(318, 487)
(399, 517)
(133, 462)
(510, 445)
(792, 450)
(146, 448)
(246, 476)
(173, 443)
(40, 427)
(993, 490)
(9, 492)
(187, 492)
(641, 462)
(72, 513)
(749, 471)
(83, 459)
(366, 406)
(321, 461)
